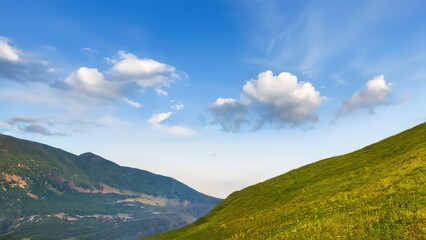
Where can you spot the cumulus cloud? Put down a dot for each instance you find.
(77, 94)
(145, 72)
(7, 52)
(376, 92)
(278, 100)
(157, 120)
(132, 103)
(229, 113)
(126, 70)
(88, 85)
(284, 100)
(160, 92)
(91, 82)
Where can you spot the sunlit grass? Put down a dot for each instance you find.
(377, 192)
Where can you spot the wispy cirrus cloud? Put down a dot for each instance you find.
(89, 50)
(30, 124)
(160, 92)
(23, 119)
(310, 41)
(60, 125)
(35, 128)
(16, 66)
(132, 103)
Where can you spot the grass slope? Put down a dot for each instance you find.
(377, 192)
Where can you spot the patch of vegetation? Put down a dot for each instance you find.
(377, 192)
(52, 199)
(137, 180)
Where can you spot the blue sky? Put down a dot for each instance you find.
(217, 94)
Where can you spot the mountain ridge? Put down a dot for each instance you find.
(42, 185)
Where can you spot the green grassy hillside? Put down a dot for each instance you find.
(377, 192)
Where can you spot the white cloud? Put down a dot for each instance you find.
(287, 101)
(89, 50)
(161, 92)
(91, 82)
(7, 52)
(145, 72)
(75, 108)
(376, 92)
(84, 92)
(157, 119)
(178, 106)
(19, 67)
(132, 103)
(52, 70)
(275, 99)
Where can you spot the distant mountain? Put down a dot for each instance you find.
(378, 192)
(47, 193)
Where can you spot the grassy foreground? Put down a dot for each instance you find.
(377, 192)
